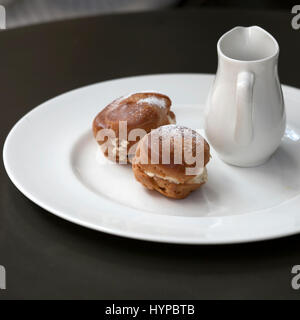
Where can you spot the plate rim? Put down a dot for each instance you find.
(112, 231)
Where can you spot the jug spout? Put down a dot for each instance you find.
(248, 44)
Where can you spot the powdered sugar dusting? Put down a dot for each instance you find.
(154, 101)
(151, 100)
(173, 130)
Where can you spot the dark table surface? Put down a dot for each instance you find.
(46, 257)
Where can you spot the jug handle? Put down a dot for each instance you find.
(243, 132)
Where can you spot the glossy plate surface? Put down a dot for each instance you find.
(52, 158)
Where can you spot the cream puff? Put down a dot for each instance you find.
(127, 119)
(172, 160)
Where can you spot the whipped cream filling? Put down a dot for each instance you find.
(200, 178)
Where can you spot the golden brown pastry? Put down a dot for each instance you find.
(174, 171)
(143, 111)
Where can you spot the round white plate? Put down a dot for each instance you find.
(51, 156)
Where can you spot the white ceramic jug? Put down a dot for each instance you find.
(245, 116)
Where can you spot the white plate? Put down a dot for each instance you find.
(51, 156)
